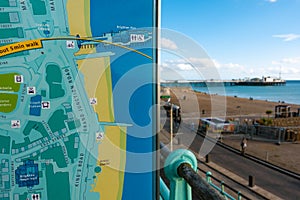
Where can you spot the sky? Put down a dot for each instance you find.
(241, 38)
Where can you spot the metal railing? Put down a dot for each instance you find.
(180, 168)
(221, 189)
(164, 190)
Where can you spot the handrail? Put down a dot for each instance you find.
(223, 184)
(180, 168)
(201, 188)
(220, 189)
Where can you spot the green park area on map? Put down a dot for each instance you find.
(8, 89)
(8, 83)
(8, 102)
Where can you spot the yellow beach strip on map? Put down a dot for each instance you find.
(109, 183)
(113, 147)
(79, 17)
(98, 84)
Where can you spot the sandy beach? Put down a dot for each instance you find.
(195, 105)
(226, 106)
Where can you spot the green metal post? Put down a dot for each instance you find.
(164, 190)
(239, 196)
(179, 188)
(222, 188)
(208, 177)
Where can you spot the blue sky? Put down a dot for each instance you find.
(243, 38)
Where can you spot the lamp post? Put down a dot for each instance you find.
(171, 127)
(239, 107)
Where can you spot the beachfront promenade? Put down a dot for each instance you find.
(268, 182)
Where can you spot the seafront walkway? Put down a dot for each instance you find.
(268, 182)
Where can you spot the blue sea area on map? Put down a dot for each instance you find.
(140, 137)
(107, 15)
(134, 73)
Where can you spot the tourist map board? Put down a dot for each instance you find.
(77, 81)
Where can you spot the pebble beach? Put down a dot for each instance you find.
(196, 104)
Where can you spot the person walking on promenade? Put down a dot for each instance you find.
(243, 146)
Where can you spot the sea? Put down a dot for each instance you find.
(289, 93)
(107, 17)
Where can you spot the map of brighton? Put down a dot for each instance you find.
(59, 138)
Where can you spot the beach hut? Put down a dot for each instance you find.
(215, 125)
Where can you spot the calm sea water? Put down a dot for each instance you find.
(290, 93)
